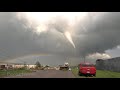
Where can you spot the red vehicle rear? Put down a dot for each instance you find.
(86, 69)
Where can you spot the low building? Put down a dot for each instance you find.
(2, 66)
(17, 66)
(31, 66)
(5, 66)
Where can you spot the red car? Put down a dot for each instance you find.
(86, 69)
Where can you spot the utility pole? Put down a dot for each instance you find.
(84, 59)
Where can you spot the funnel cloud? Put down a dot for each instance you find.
(68, 36)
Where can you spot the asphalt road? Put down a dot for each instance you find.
(46, 74)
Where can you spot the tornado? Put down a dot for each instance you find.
(68, 36)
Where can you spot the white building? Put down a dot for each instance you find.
(17, 66)
(31, 66)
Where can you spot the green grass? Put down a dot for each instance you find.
(13, 72)
(75, 72)
(99, 74)
(107, 74)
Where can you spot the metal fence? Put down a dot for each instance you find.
(109, 64)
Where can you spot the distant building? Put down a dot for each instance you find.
(5, 66)
(2, 66)
(112, 64)
(31, 66)
(16, 66)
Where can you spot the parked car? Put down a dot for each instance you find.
(86, 69)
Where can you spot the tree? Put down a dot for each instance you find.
(38, 65)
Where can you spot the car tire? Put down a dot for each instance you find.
(94, 75)
(80, 74)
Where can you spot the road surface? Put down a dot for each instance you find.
(46, 74)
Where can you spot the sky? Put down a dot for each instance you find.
(59, 36)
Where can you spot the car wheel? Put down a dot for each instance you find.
(80, 74)
(94, 75)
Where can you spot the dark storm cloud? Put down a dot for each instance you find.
(101, 33)
(16, 40)
(97, 33)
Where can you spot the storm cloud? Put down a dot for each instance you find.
(94, 33)
(100, 33)
(16, 40)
